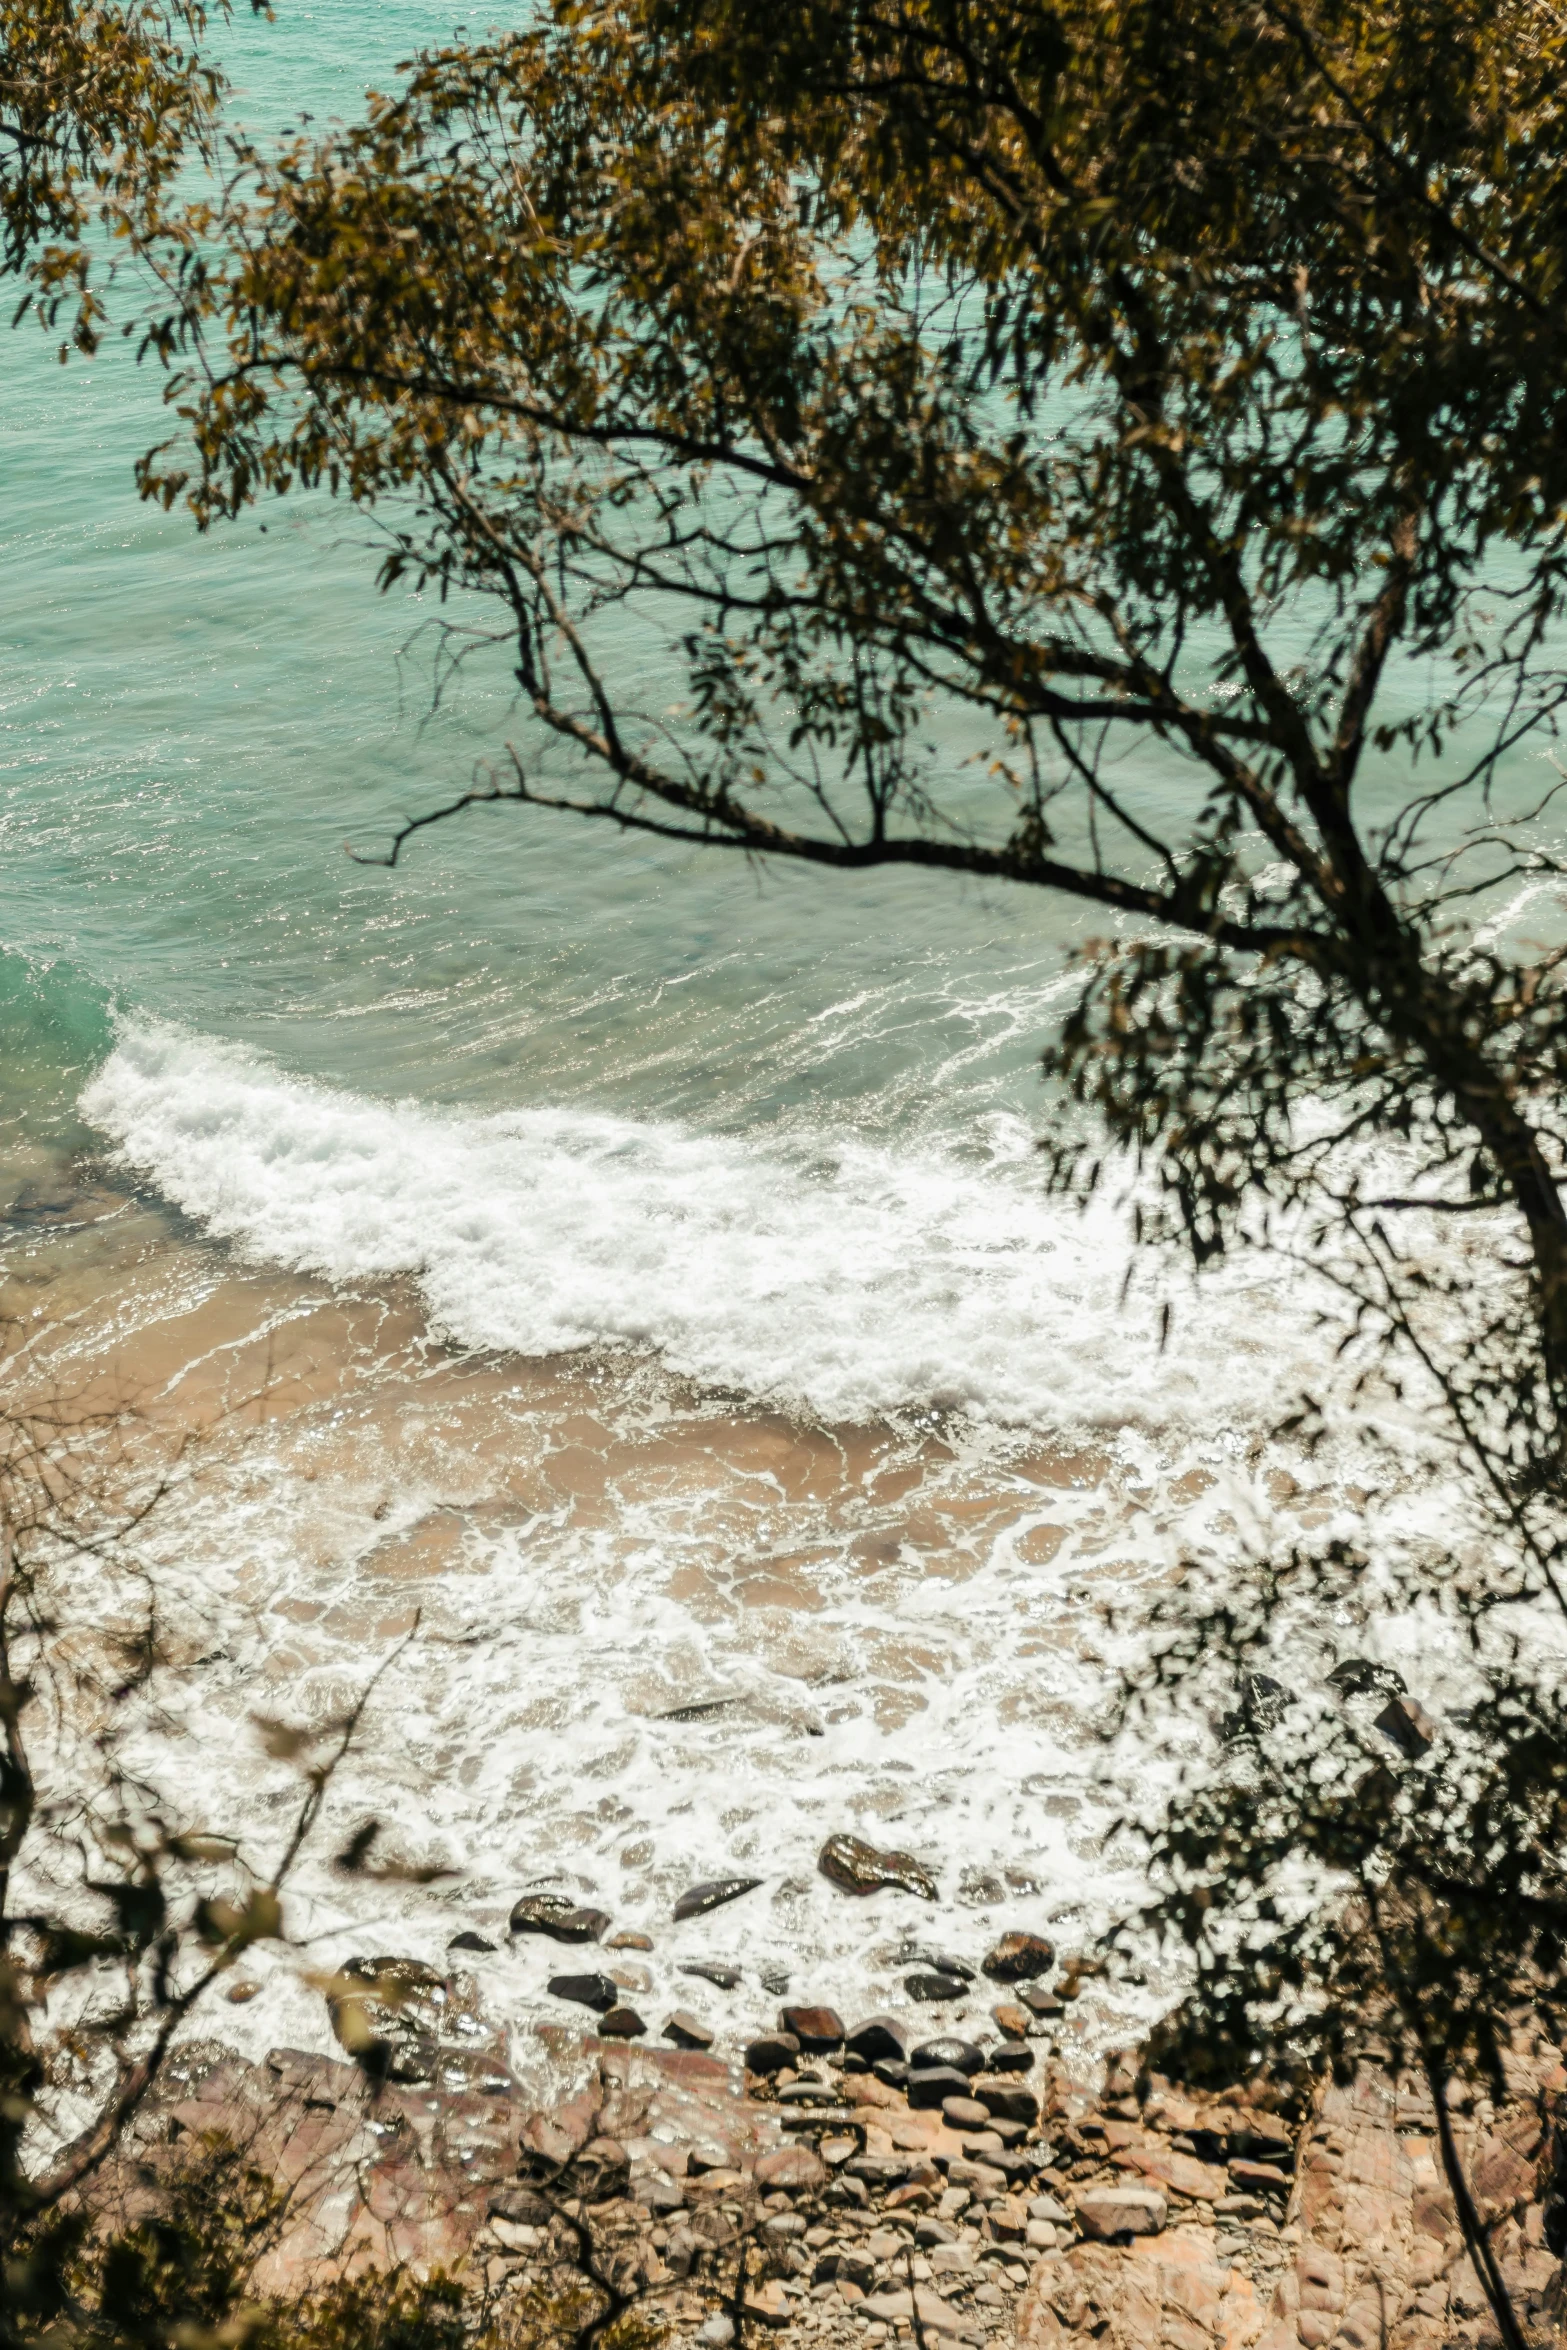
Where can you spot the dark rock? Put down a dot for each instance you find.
(469, 1940)
(1357, 1676)
(1009, 2101)
(1263, 1703)
(595, 1991)
(859, 1868)
(933, 1990)
(879, 2035)
(817, 2029)
(699, 1899)
(774, 1979)
(932, 2085)
(1019, 1958)
(882, 2170)
(962, 2055)
(726, 1978)
(622, 2023)
(893, 2070)
(1043, 2002)
(396, 1974)
(1412, 1731)
(771, 2053)
(687, 2030)
(1012, 2059)
(558, 1916)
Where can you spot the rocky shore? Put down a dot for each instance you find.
(852, 2182)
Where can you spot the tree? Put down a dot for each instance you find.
(100, 108)
(1170, 400)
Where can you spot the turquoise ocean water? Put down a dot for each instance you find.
(642, 1259)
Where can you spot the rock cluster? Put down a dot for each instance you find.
(854, 2183)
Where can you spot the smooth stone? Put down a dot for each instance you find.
(712, 1894)
(687, 2030)
(628, 1941)
(817, 2029)
(595, 1991)
(241, 1994)
(469, 1940)
(934, 1990)
(558, 1916)
(858, 1867)
(961, 2054)
(964, 2113)
(930, 2085)
(1019, 1958)
(771, 2053)
(878, 2036)
(1008, 2101)
(1011, 2059)
(1043, 2003)
(723, 1978)
(622, 2023)
(1046, 2207)
(893, 2070)
(1014, 2021)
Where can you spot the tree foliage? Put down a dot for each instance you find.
(100, 108)
(1165, 405)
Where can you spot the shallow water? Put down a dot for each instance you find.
(636, 1267)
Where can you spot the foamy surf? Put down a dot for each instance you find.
(814, 1272)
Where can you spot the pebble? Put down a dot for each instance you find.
(697, 1900)
(596, 1991)
(816, 2029)
(934, 1990)
(962, 2055)
(687, 2030)
(723, 1978)
(238, 1994)
(1013, 2021)
(625, 1940)
(469, 1940)
(878, 2036)
(556, 1915)
(858, 1867)
(931, 2085)
(773, 2053)
(1019, 1958)
(622, 2023)
(964, 2113)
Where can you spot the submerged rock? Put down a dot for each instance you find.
(599, 1992)
(622, 2023)
(712, 1894)
(1412, 1731)
(1020, 1958)
(558, 1916)
(934, 1990)
(858, 1867)
(724, 1978)
(469, 1940)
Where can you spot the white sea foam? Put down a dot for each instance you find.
(816, 1272)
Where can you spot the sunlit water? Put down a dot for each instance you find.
(635, 1266)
